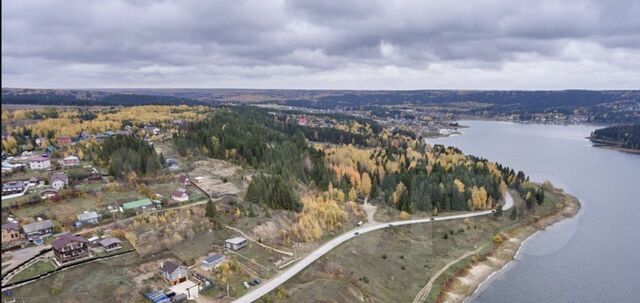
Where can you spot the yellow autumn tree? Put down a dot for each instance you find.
(459, 185)
(352, 194)
(397, 194)
(479, 198)
(365, 184)
(320, 214)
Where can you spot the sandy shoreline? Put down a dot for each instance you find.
(466, 283)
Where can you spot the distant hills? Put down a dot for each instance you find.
(618, 106)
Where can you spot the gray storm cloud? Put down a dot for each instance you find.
(321, 44)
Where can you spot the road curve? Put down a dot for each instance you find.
(270, 285)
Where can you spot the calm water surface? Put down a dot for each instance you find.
(592, 258)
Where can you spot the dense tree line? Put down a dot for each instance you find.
(625, 136)
(126, 154)
(272, 191)
(463, 186)
(254, 137)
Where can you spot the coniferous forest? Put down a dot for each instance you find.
(400, 170)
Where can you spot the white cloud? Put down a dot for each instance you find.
(491, 44)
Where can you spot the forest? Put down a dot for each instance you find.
(624, 136)
(125, 155)
(253, 137)
(392, 167)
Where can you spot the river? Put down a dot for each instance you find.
(594, 257)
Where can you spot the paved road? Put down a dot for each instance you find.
(327, 247)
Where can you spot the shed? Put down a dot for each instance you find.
(110, 244)
(235, 243)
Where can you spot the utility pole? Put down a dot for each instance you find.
(228, 295)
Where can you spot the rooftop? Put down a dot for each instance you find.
(169, 267)
(39, 159)
(109, 241)
(236, 240)
(35, 226)
(63, 240)
(11, 226)
(213, 258)
(87, 216)
(137, 204)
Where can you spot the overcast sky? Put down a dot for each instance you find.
(321, 44)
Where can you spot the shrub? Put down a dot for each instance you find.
(402, 267)
(497, 239)
(384, 256)
(404, 215)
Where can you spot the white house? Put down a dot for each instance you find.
(58, 181)
(235, 243)
(180, 195)
(71, 161)
(39, 162)
(87, 217)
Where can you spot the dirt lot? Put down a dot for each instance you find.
(219, 178)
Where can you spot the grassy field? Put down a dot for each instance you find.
(37, 268)
(101, 281)
(374, 266)
(201, 245)
(377, 264)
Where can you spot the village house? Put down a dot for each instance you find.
(11, 233)
(63, 140)
(110, 244)
(71, 161)
(211, 262)
(180, 195)
(48, 193)
(184, 180)
(236, 243)
(33, 181)
(38, 230)
(152, 130)
(13, 187)
(39, 162)
(87, 217)
(173, 273)
(58, 180)
(67, 248)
